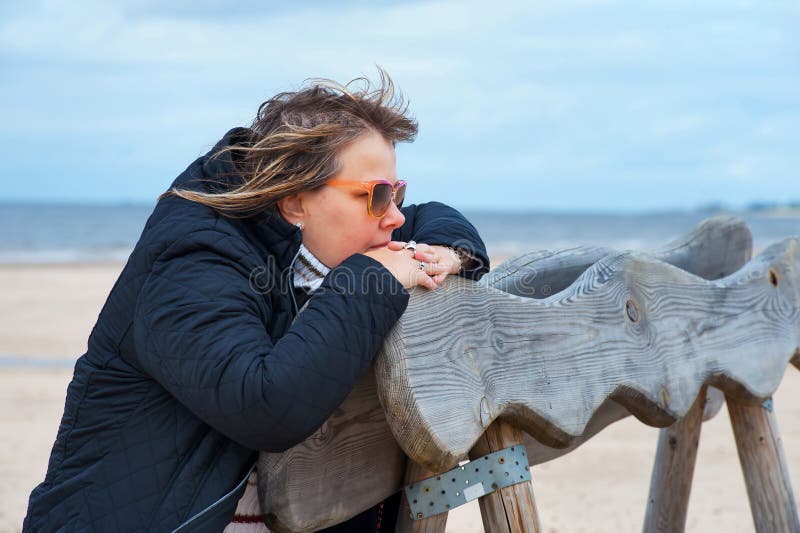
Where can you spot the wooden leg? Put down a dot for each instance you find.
(673, 469)
(764, 465)
(405, 523)
(511, 509)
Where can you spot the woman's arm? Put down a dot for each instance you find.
(435, 223)
(199, 331)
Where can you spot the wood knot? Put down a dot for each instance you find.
(632, 310)
(773, 277)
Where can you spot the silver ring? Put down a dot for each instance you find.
(422, 265)
(411, 245)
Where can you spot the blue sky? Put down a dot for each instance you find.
(568, 105)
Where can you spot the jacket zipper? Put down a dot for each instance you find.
(219, 501)
(289, 285)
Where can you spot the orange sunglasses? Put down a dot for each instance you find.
(381, 193)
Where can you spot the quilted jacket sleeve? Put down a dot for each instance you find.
(436, 223)
(199, 331)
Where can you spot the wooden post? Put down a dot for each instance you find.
(511, 509)
(764, 465)
(673, 469)
(405, 523)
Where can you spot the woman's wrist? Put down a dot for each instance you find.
(465, 258)
(460, 255)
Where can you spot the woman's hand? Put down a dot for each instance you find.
(405, 266)
(446, 258)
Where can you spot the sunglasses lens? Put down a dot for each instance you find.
(400, 195)
(381, 198)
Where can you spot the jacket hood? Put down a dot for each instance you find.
(216, 174)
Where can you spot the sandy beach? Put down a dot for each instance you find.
(49, 310)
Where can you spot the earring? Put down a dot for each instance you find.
(299, 225)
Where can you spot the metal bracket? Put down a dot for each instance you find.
(464, 483)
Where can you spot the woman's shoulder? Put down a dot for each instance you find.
(179, 227)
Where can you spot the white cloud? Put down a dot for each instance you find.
(579, 92)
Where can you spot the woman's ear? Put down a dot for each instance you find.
(291, 208)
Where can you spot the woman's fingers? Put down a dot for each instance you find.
(436, 261)
(433, 269)
(428, 257)
(439, 278)
(432, 275)
(420, 251)
(429, 275)
(426, 281)
(448, 257)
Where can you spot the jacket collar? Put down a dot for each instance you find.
(267, 227)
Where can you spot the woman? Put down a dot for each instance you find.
(201, 356)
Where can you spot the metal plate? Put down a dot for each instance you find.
(448, 490)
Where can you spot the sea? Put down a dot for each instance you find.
(59, 233)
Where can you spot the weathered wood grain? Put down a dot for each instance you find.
(296, 484)
(764, 466)
(633, 329)
(510, 509)
(715, 248)
(310, 487)
(673, 469)
(676, 451)
(608, 413)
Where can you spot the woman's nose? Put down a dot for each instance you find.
(393, 218)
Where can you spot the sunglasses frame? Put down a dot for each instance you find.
(369, 186)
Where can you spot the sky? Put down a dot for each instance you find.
(545, 105)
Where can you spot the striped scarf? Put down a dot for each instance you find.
(309, 272)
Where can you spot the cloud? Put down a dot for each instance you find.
(581, 95)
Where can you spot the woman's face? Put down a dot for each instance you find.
(336, 223)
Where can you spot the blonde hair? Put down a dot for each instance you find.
(294, 141)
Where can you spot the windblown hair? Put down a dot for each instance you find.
(294, 141)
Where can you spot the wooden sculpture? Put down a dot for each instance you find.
(557, 345)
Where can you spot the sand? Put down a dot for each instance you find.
(49, 310)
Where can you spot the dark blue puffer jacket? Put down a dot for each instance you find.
(195, 362)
